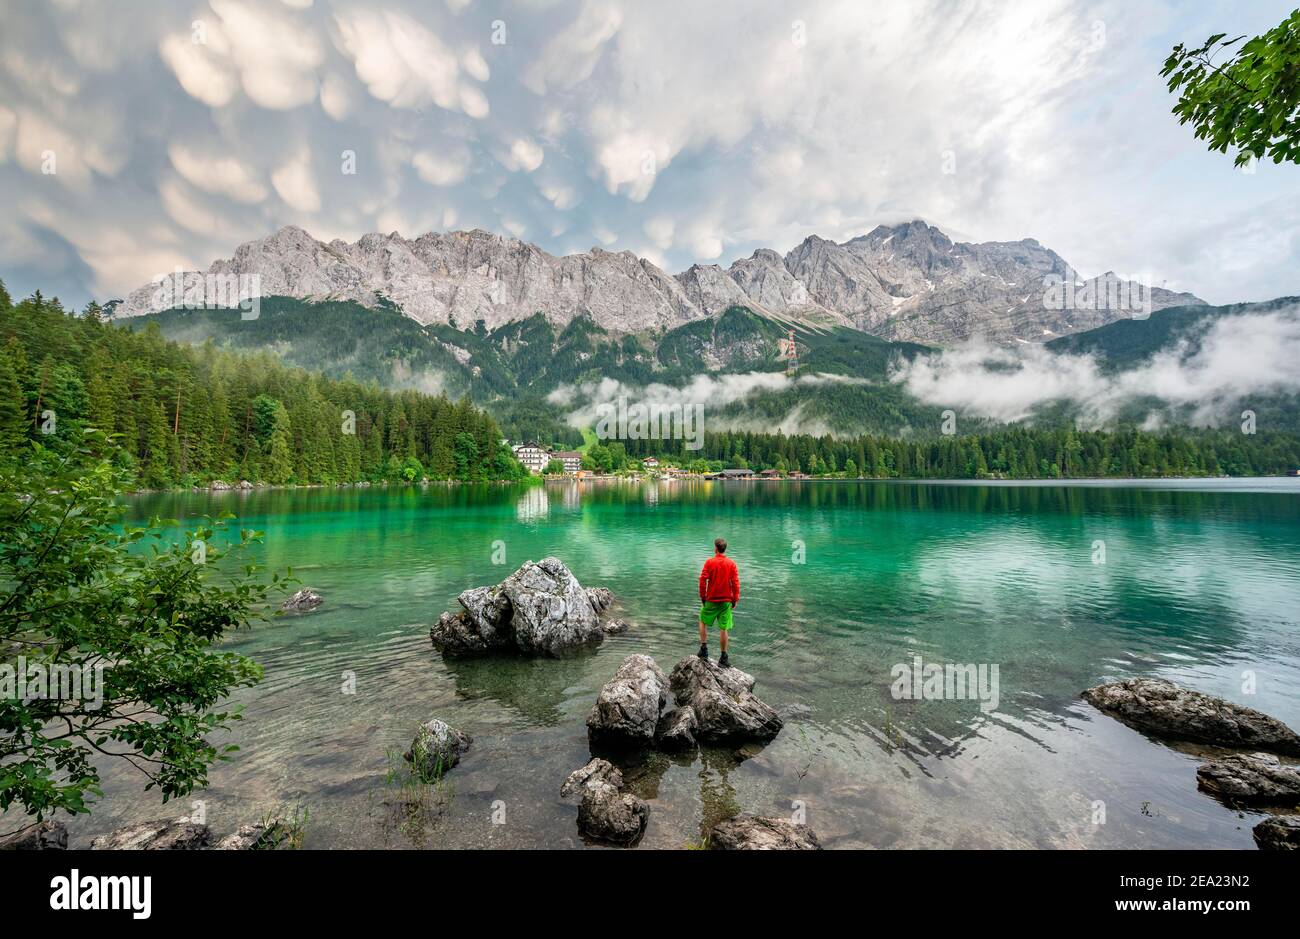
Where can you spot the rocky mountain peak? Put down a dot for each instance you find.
(905, 281)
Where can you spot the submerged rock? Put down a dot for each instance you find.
(303, 601)
(612, 627)
(45, 836)
(540, 609)
(257, 837)
(606, 812)
(1257, 778)
(437, 747)
(726, 709)
(1166, 710)
(162, 835)
(1278, 833)
(602, 598)
(757, 833)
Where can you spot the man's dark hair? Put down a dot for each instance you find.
(720, 545)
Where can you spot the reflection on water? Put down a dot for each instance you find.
(840, 581)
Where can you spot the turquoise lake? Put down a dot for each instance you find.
(840, 582)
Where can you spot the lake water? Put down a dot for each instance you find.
(840, 581)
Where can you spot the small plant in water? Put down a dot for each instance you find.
(892, 734)
(286, 828)
(419, 794)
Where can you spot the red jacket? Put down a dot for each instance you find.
(720, 581)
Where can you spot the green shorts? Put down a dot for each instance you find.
(716, 611)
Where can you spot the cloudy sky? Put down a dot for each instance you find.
(692, 131)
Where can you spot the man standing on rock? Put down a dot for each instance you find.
(719, 592)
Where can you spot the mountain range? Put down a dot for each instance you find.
(907, 282)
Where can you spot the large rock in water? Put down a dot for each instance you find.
(1278, 833)
(304, 601)
(46, 836)
(626, 712)
(1162, 708)
(540, 609)
(1255, 778)
(756, 833)
(606, 812)
(482, 626)
(163, 835)
(437, 748)
(723, 701)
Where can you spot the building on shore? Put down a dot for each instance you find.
(650, 463)
(533, 457)
(732, 474)
(571, 459)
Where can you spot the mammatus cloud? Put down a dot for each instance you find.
(1234, 358)
(680, 131)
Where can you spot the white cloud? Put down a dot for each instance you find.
(212, 172)
(201, 73)
(336, 97)
(660, 230)
(405, 64)
(442, 169)
(1234, 358)
(630, 113)
(8, 121)
(296, 185)
(525, 155)
(574, 49)
(272, 56)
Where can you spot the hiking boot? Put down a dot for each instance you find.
(723, 661)
(704, 651)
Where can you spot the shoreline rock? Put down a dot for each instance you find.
(258, 837)
(161, 835)
(181, 834)
(539, 610)
(1164, 709)
(1278, 833)
(1254, 778)
(758, 833)
(606, 813)
(48, 835)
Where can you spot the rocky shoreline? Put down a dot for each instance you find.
(1250, 774)
(179, 834)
